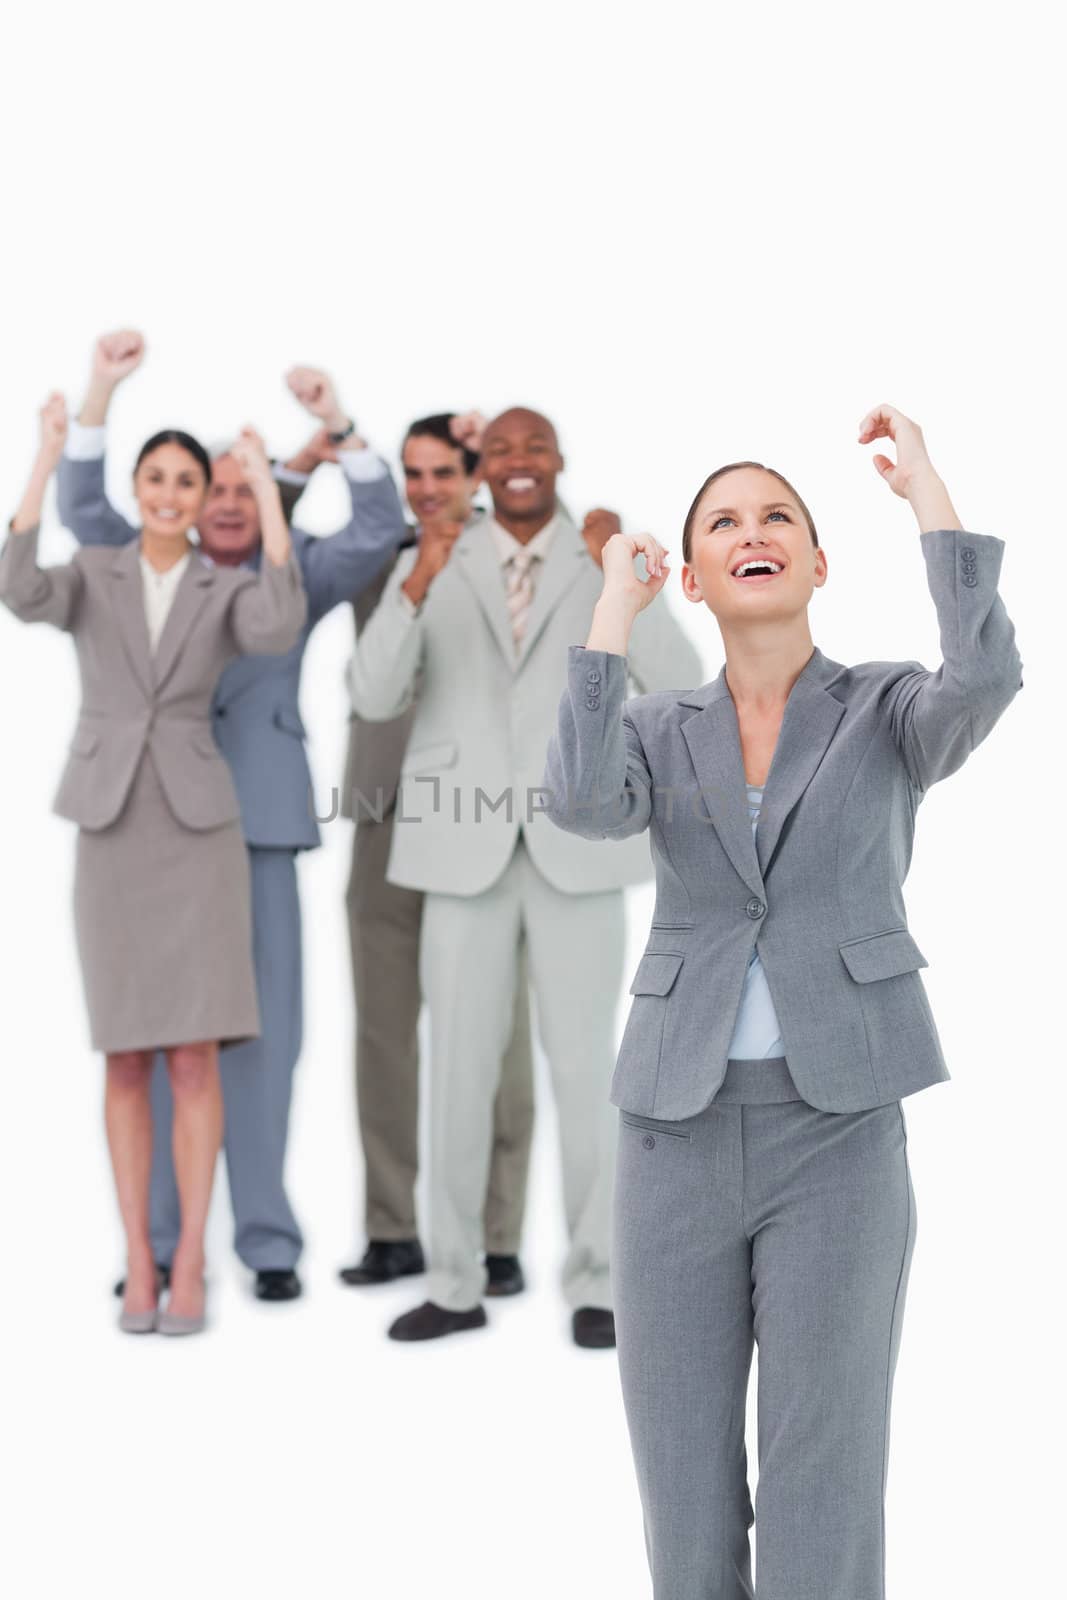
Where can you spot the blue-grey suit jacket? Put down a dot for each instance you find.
(819, 889)
(255, 711)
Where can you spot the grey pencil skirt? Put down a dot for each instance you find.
(162, 917)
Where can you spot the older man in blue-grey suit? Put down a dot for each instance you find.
(258, 727)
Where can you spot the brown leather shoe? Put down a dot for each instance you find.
(594, 1328)
(430, 1321)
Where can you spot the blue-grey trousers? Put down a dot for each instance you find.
(764, 1222)
(257, 1080)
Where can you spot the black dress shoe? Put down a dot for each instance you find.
(505, 1275)
(275, 1284)
(162, 1279)
(594, 1328)
(386, 1259)
(433, 1322)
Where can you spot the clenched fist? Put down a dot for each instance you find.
(316, 393)
(250, 453)
(53, 417)
(467, 429)
(436, 543)
(116, 355)
(598, 527)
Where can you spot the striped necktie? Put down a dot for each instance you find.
(520, 592)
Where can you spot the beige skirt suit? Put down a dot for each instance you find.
(161, 891)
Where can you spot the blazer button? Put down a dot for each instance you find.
(970, 580)
(755, 908)
(591, 704)
(968, 554)
(220, 711)
(592, 676)
(649, 1142)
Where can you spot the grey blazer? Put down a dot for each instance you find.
(819, 890)
(131, 698)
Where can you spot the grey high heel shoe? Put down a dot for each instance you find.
(170, 1322)
(174, 1324)
(138, 1321)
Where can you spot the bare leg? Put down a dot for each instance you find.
(128, 1119)
(193, 1070)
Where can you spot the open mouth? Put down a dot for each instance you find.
(520, 484)
(760, 570)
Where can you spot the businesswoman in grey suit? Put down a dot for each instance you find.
(778, 1019)
(161, 887)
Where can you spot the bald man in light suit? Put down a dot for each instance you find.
(480, 622)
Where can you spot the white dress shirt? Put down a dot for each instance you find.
(159, 591)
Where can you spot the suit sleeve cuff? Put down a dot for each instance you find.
(362, 466)
(85, 444)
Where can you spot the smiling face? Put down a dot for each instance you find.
(438, 486)
(751, 555)
(169, 485)
(521, 461)
(229, 523)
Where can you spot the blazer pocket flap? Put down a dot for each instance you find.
(882, 955)
(288, 719)
(656, 973)
(84, 742)
(430, 757)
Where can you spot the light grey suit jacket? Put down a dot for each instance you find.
(471, 775)
(131, 698)
(819, 890)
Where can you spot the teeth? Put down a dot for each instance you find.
(520, 483)
(746, 566)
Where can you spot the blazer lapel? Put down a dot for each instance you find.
(809, 723)
(127, 598)
(556, 578)
(192, 590)
(476, 558)
(714, 738)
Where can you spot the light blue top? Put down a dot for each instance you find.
(756, 1035)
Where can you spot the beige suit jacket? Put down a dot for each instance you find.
(132, 699)
(472, 774)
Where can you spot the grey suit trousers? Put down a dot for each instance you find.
(762, 1221)
(384, 928)
(575, 947)
(257, 1082)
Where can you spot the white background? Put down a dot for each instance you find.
(688, 234)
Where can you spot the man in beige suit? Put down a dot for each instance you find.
(474, 629)
(441, 472)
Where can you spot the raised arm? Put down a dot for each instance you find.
(660, 655)
(34, 593)
(338, 566)
(596, 774)
(81, 493)
(939, 717)
(268, 616)
(383, 670)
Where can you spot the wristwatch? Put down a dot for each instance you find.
(339, 438)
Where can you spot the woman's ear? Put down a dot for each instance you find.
(691, 585)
